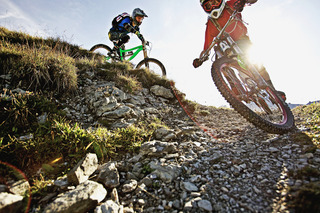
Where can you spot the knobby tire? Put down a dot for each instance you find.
(100, 46)
(220, 80)
(161, 70)
(103, 47)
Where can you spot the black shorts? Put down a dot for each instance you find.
(116, 36)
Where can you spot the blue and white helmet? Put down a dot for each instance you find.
(138, 12)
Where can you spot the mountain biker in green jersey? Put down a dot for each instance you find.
(124, 24)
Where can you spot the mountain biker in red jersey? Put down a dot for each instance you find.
(126, 24)
(219, 12)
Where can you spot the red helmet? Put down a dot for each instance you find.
(213, 7)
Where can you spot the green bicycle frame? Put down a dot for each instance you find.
(136, 50)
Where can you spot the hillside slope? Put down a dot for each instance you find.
(58, 104)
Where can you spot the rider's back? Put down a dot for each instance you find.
(120, 26)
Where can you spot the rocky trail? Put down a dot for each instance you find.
(185, 169)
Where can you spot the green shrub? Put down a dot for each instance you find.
(128, 83)
(306, 198)
(19, 112)
(38, 68)
(146, 79)
(312, 113)
(55, 44)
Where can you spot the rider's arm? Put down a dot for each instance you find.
(251, 1)
(134, 30)
(130, 28)
(211, 32)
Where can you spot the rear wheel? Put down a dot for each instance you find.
(104, 50)
(262, 107)
(153, 65)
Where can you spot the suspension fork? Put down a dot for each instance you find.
(256, 75)
(145, 54)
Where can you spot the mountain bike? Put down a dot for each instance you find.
(150, 64)
(240, 83)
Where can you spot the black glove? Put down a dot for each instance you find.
(140, 36)
(136, 28)
(251, 1)
(197, 63)
(239, 4)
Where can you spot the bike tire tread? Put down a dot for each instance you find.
(244, 110)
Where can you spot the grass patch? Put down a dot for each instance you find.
(38, 68)
(54, 44)
(69, 142)
(19, 112)
(305, 173)
(305, 198)
(312, 121)
(133, 79)
(129, 83)
(38, 64)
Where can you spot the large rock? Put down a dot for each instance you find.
(120, 112)
(161, 91)
(129, 186)
(109, 175)
(167, 173)
(83, 169)
(105, 105)
(158, 148)
(10, 202)
(109, 207)
(83, 198)
(20, 187)
(164, 134)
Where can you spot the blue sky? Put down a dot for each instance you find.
(285, 35)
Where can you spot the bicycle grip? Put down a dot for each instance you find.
(197, 63)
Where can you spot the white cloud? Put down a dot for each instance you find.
(10, 10)
(12, 17)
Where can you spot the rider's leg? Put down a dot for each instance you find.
(123, 38)
(118, 39)
(244, 44)
(120, 43)
(114, 37)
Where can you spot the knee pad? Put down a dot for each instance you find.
(113, 36)
(124, 39)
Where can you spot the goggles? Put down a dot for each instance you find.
(209, 5)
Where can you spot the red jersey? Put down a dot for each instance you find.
(236, 29)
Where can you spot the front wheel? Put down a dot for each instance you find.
(153, 65)
(262, 107)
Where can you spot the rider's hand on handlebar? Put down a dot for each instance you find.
(197, 63)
